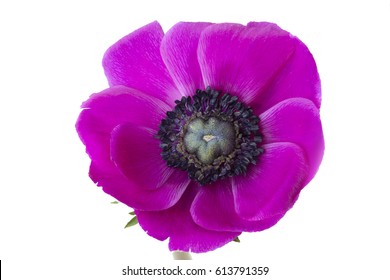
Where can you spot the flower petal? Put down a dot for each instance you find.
(213, 208)
(136, 152)
(102, 112)
(296, 120)
(297, 78)
(243, 60)
(135, 61)
(272, 186)
(105, 110)
(177, 224)
(179, 52)
(119, 186)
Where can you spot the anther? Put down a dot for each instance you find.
(211, 136)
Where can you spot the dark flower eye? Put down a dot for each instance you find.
(211, 136)
(207, 131)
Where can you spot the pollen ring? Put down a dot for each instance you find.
(211, 136)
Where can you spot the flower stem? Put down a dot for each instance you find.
(180, 255)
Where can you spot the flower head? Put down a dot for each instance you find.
(207, 131)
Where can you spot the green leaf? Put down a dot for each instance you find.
(114, 202)
(132, 222)
(132, 213)
(237, 240)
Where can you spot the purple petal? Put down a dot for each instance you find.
(243, 60)
(105, 110)
(135, 61)
(119, 186)
(272, 186)
(296, 120)
(297, 78)
(213, 208)
(177, 224)
(136, 152)
(179, 52)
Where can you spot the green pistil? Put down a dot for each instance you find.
(210, 135)
(209, 139)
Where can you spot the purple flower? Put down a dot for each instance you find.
(206, 131)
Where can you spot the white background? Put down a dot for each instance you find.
(55, 224)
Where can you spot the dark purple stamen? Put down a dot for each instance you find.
(211, 136)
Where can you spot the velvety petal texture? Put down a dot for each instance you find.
(272, 186)
(135, 61)
(259, 64)
(103, 111)
(296, 120)
(119, 186)
(177, 224)
(297, 78)
(179, 51)
(102, 114)
(243, 60)
(136, 152)
(214, 208)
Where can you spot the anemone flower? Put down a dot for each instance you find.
(207, 131)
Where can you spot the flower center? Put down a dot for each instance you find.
(209, 139)
(211, 136)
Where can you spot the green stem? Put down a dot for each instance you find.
(180, 255)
